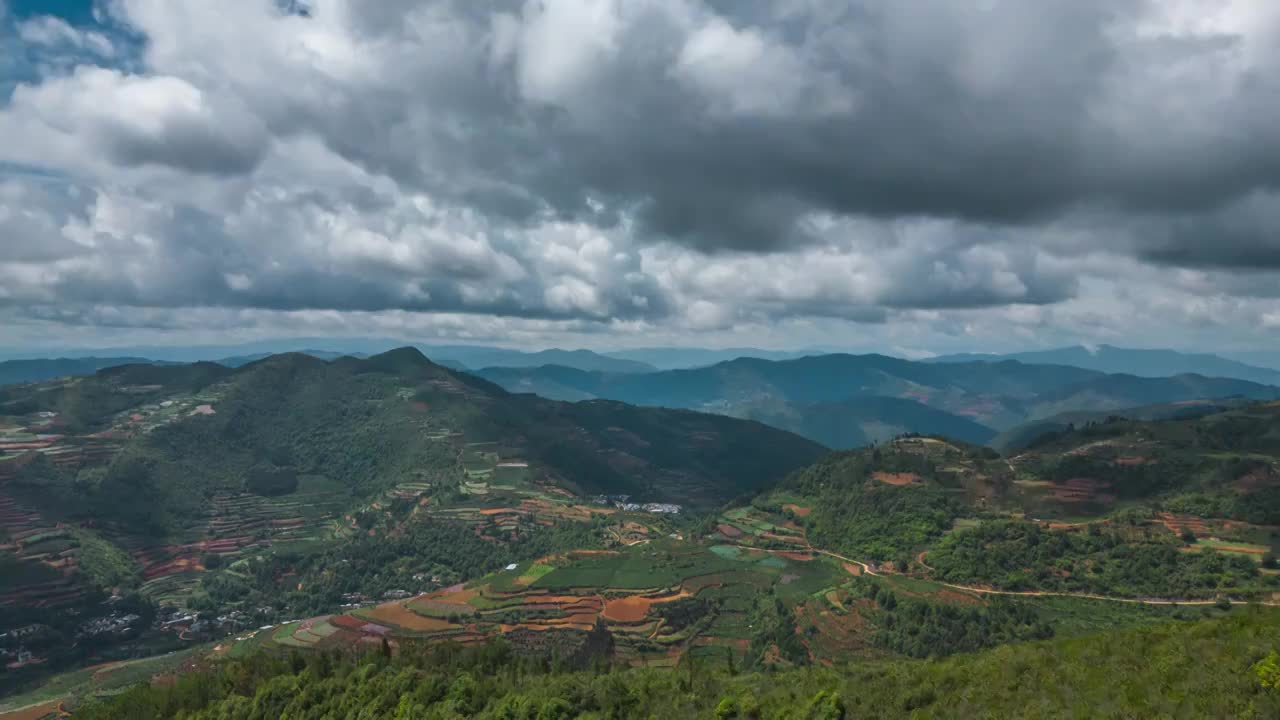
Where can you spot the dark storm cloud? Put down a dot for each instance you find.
(1014, 115)
(186, 144)
(1243, 235)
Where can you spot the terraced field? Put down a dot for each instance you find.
(753, 526)
(44, 551)
(656, 602)
(100, 681)
(503, 499)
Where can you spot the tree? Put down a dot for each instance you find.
(826, 706)
(1269, 561)
(1187, 536)
(1268, 671)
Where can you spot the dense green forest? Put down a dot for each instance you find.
(1025, 556)
(917, 628)
(375, 565)
(857, 516)
(1214, 668)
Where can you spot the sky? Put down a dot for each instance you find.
(912, 177)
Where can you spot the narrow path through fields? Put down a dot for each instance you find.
(867, 568)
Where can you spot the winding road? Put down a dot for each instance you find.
(868, 568)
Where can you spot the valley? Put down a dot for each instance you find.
(352, 506)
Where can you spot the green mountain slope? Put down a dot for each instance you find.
(176, 465)
(1020, 436)
(864, 420)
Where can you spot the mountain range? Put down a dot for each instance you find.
(35, 370)
(675, 358)
(454, 355)
(390, 501)
(836, 399)
(1257, 367)
(1130, 361)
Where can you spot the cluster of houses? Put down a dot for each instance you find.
(623, 502)
(19, 658)
(354, 599)
(113, 624)
(14, 653)
(191, 623)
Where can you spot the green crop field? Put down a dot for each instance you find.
(510, 475)
(657, 565)
(1079, 616)
(103, 681)
(1251, 551)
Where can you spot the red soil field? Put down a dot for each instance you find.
(1177, 523)
(799, 511)
(401, 616)
(955, 597)
(794, 540)
(1233, 548)
(802, 557)
(459, 596)
(1137, 460)
(347, 622)
(627, 609)
(1082, 490)
(729, 531)
(172, 567)
(568, 603)
(36, 712)
(895, 478)
(635, 607)
(26, 445)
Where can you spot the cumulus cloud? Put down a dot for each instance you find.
(648, 166)
(56, 33)
(133, 120)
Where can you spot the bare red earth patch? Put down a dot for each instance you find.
(895, 478)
